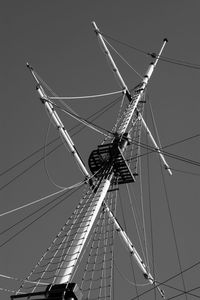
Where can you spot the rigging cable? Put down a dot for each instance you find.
(28, 168)
(173, 277)
(182, 63)
(53, 244)
(174, 156)
(27, 157)
(18, 279)
(28, 225)
(98, 113)
(80, 119)
(185, 172)
(168, 205)
(140, 76)
(173, 230)
(84, 97)
(128, 280)
(131, 261)
(136, 224)
(45, 161)
(179, 290)
(143, 216)
(42, 199)
(150, 217)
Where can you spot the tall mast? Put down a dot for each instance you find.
(115, 166)
(117, 147)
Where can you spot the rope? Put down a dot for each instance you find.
(53, 244)
(45, 161)
(128, 280)
(100, 112)
(168, 205)
(150, 217)
(143, 215)
(27, 157)
(170, 278)
(174, 156)
(154, 55)
(173, 231)
(85, 97)
(7, 290)
(130, 257)
(80, 119)
(42, 199)
(140, 76)
(18, 279)
(136, 223)
(24, 228)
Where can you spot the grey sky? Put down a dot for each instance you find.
(57, 38)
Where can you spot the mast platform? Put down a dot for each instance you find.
(111, 154)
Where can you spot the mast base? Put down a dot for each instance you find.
(64, 291)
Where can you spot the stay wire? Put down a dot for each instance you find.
(168, 205)
(188, 293)
(27, 157)
(98, 113)
(85, 97)
(167, 146)
(185, 172)
(135, 217)
(143, 213)
(42, 199)
(174, 156)
(122, 58)
(150, 217)
(28, 225)
(128, 280)
(178, 62)
(171, 278)
(28, 168)
(177, 289)
(124, 221)
(80, 119)
(45, 162)
(173, 230)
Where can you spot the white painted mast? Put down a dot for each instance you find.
(68, 267)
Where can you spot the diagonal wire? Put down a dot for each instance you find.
(123, 58)
(100, 112)
(168, 205)
(134, 277)
(170, 60)
(151, 222)
(28, 225)
(28, 156)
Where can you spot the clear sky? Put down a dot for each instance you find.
(57, 38)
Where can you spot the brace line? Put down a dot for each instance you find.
(86, 97)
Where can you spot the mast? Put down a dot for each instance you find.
(106, 172)
(115, 152)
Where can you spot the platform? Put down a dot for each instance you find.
(111, 154)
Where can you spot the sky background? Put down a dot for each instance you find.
(57, 38)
